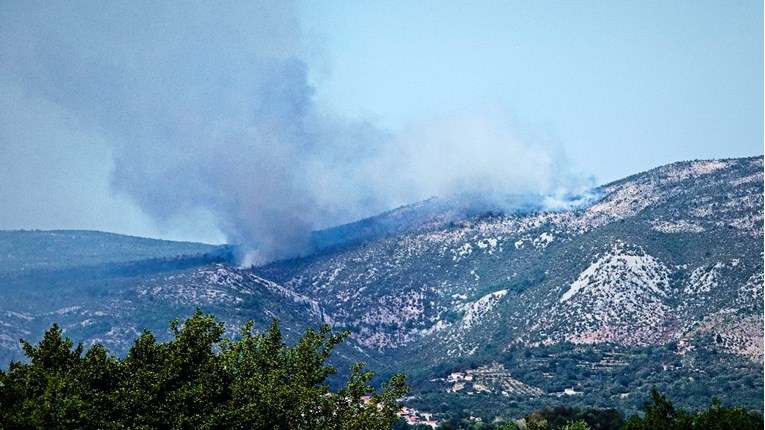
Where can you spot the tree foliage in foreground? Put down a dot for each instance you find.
(198, 380)
(661, 414)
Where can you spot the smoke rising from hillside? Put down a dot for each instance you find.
(210, 109)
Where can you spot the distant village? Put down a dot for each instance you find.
(496, 379)
(485, 379)
(410, 415)
(415, 417)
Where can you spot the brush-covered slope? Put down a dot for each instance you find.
(662, 255)
(670, 258)
(659, 281)
(107, 288)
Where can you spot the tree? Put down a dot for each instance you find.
(721, 418)
(661, 414)
(577, 425)
(177, 384)
(536, 421)
(196, 380)
(46, 393)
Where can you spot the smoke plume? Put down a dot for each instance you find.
(210, 109)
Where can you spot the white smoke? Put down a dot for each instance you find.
(209, 110)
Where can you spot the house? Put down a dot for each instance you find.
(412, 420)
(455, 376)
(413, 417)
(571, 391)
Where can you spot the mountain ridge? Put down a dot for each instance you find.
(662, 258)
(622, 202)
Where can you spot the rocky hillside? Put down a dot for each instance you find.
(664, 270)
(663, 255)
(107, 288)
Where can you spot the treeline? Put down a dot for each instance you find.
(661, 414)
(200, 380)
(197, 380)
(690, 379)
(658, 414)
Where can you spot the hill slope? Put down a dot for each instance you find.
(659, 253)
(666, 257)
(660, 279)
(107, 288)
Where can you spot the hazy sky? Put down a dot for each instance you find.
(256, 123)
(622, 86)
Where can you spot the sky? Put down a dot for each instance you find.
(258, 122)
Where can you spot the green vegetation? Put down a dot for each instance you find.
(657, 414)
(57, 251)
(575, 419)
(197, 380)
(606, 377)
(201, 380)
(661, 414)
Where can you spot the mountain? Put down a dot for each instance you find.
(669, 257)
(661, 251)
(107, 288)
(656, 279)
(438, 212)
